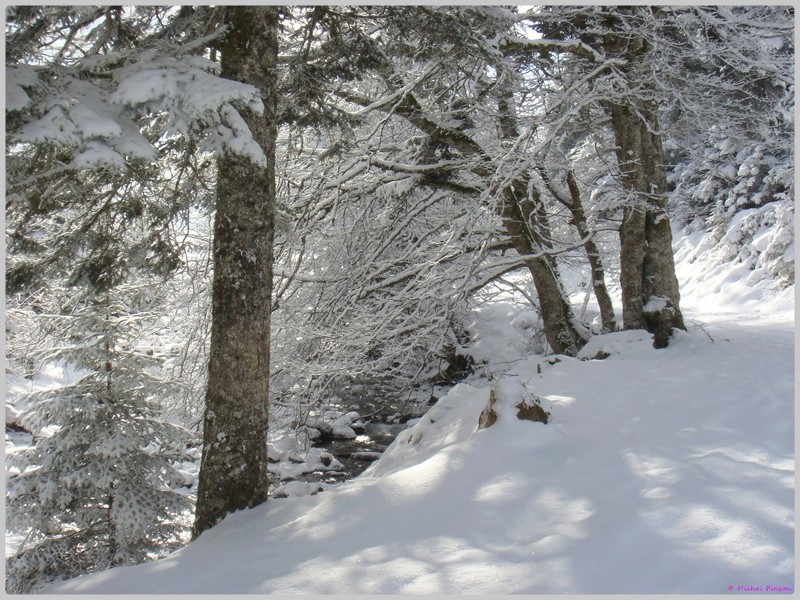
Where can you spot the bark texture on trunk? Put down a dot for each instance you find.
(607, 317)
(575, 205)
(650, 293)
(233, 472)
(525, 219)
(527, 227)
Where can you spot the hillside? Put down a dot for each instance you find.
(660, 471)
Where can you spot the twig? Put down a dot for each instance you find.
(698, 325)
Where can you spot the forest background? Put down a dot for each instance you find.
(220, 221)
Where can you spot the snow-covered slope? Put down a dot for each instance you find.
(660, 471)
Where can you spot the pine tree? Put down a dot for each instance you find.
(113, 113)
(97, 488)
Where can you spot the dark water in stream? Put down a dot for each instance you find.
(384, 416)
(359, 453)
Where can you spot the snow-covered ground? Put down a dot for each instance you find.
(660, 471)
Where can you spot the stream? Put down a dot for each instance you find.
(381, 421)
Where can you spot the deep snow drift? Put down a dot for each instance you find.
(660, 471)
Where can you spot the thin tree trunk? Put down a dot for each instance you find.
(233, 472)
(525, 220)
(607, 317)
(575, 205)
(522, 225)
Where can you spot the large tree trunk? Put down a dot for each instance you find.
(650, 294)
(233, 471)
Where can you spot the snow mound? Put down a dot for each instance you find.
(292, 489)
(500, 334)
(618, 343)
(746, 267)
(452, 420)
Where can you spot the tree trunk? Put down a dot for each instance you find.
(607, 317)
(525, 220)
(233, 471)
(523, 225)
(650, 294)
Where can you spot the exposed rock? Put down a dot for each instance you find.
(488, 416)
(16, 427)
(532, 411)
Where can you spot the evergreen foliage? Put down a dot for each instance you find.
(106, 143)
(97, 488)
(424, 153)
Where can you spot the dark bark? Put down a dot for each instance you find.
(525, 219)
(650, 293)
(233, 473)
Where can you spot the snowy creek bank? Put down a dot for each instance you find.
(661, 471)
(340, 441)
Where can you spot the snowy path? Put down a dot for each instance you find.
(661, 471)
(694, 471)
